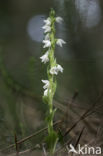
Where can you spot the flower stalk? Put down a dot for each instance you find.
(49, 44)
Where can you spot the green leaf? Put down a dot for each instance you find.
(51, 141)
(50, 116)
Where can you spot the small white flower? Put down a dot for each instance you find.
(46, 87)
(46, 92)
(59, 19)
(47, 43)
(47, 84)
(56, 69)
(46, 28)
(59, 68)
(45, 58)
(53, 70)
(47, 37)
(47, 21)
(60, 42)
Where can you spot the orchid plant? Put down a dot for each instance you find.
(49, 44)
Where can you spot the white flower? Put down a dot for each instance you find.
(46, 28)
(47, 43)
(53, 70)
(46, 87)
(46, 92)
(45, 58)
(60, 42)
(59, 68)
(47, 37)
(47, 21)
(59, 19)
(56, 69)
(47, 84)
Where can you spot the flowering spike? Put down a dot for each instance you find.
(49, 44)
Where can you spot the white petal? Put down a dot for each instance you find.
(47, 84)
(47, 21)
(45, 81)
(53, 71)
(46, 92)
(59, 68)
(47, 43)
(59, 19)
(44, 60)
(56, 69)
(48, 29)
(60, 42)
(45, 57)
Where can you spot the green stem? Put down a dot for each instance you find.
(51, 80)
